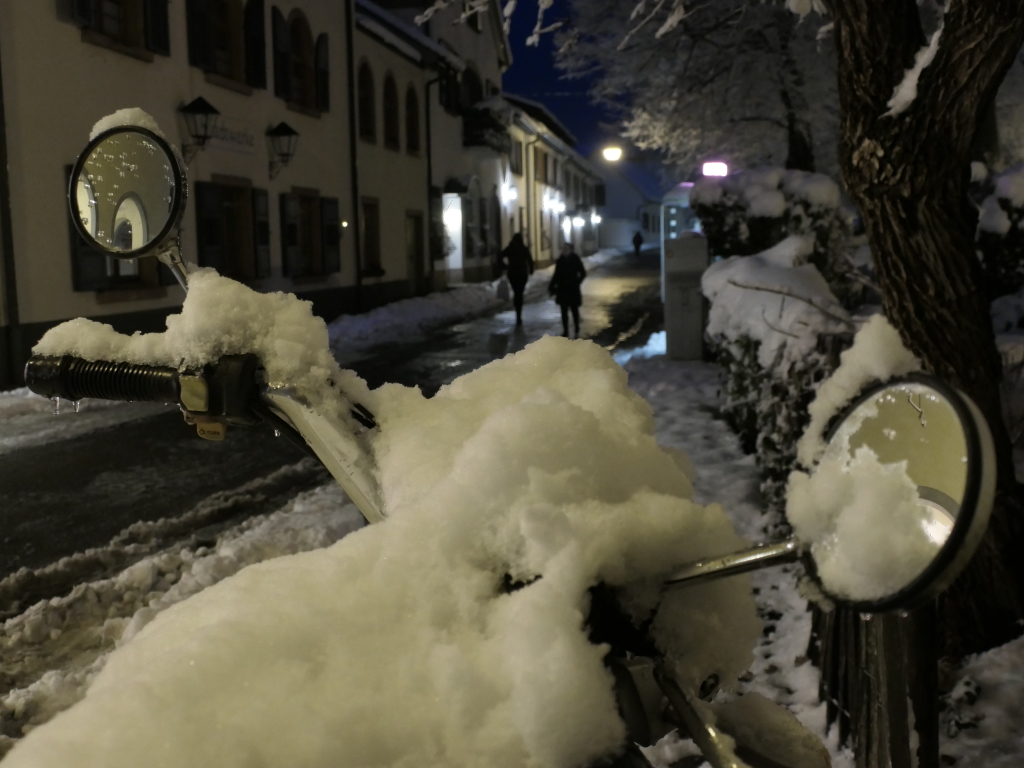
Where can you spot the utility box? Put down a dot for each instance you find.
(684, 260)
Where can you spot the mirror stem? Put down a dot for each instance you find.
(171, 257)
(713, 744)
(762, 556)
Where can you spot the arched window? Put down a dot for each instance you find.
(367, 104)
(392, 135)
(300, 61)
(282, 73)
(472, 89)
(412, 122)
(322, 74)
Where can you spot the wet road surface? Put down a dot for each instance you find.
(63, 497)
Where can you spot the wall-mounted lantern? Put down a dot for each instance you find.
(283, 140)
(201, 120)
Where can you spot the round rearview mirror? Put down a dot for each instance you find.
(901, 497)
(127, 192)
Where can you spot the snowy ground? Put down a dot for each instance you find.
(52, 650)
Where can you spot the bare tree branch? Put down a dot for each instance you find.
(785, 292)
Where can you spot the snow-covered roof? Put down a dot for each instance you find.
(400, 34)
(679, 194)
(539, 112)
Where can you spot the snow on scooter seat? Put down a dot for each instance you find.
(397, 646)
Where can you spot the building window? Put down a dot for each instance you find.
(371, 237)
(227, 47)
(415, 252)
(233, 228)
(367, 104)
(226, 39)
(554, 173)
(516, 158)
(472, 90)
(392, 130)
(321, 74)
(301, 75)
(412, 121)
(310, 233)
(538, 164)
(449, 92)
(300, 61)
(473, 21)
(136, 27)
(599, 195)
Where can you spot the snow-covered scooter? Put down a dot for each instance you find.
(127, 197)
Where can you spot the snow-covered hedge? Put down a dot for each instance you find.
(750, 211)
(1000, 237)
(777, 329)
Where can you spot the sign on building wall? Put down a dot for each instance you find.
(234, 136)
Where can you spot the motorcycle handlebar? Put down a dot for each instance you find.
(73, 378)
(226, 390)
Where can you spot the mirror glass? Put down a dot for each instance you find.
(125, 193)
(884, 499)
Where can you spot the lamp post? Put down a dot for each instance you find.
(283, 140)
(201, 120)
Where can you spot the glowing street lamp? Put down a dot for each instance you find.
(612, 154)
(716, 169)
(578, 221)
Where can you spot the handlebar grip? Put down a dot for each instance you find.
(74, 378)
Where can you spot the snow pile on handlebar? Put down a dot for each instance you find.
(223, 317)
(398, 646)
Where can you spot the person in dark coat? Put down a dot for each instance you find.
(638, 240)
(565, 287)
(518, 265)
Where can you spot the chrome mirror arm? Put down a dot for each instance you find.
(171, 258)
(753, 559)
(716, 746)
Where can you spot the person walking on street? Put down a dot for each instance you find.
(518, 265)
(565, 287)
(638, 240)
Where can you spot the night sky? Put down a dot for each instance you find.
(534, 76)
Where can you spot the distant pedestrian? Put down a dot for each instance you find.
(638, 240)
(565, 287)
(518, 265)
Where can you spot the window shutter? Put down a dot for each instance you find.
(209, 225)
(255, 45)
(158, 29)
(88, 264)
(282, 72)
(261, 231)
(198, 23)
(291, 251)
(82, 12)
(322, 74)
(330, 229)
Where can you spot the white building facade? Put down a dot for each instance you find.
(411, 172)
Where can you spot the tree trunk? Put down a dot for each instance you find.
(908, 174)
